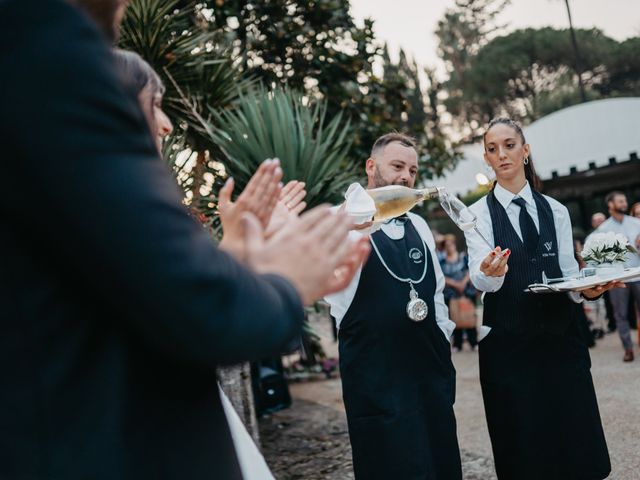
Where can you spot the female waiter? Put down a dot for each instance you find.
(538, 393)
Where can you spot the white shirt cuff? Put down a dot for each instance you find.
(485, 283)
(576, 297)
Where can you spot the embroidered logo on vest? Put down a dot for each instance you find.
(548, 253)
(415, 255)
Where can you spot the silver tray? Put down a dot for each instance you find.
(582, 283)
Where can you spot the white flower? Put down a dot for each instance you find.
(605, 248)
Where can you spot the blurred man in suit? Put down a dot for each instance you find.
(115, 307)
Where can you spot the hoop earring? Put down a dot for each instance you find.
(526, 160)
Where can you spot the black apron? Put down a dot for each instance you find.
(397, 376)
(535, 374)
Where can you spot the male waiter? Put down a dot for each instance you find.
(397, 376)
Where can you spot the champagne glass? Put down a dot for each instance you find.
(461, 215)
(584, 273)
(546, 280)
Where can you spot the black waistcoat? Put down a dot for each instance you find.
(397, 377)
(510, 307)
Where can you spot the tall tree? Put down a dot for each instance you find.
(529, 73)
(462, 32)
(317, 48)
(576, 52)
(623, 70)
(314, 47)
(406, 106)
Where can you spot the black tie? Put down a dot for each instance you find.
(399, 220)
(527, 227)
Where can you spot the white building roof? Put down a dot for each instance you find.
(571, 137)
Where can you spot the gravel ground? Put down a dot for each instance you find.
(310, 440)
(307, 441)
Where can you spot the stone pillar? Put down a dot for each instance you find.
(236, 383)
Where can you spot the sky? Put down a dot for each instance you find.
(411, 24)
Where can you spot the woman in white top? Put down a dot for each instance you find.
(538, 393)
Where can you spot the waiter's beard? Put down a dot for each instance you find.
(380, 181)
(621, 211)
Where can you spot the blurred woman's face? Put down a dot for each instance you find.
(163, 124)
(145, 99)
(504, 151)
(636, 211)
(158, 121)
(450, 246)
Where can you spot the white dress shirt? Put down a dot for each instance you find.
(630, 228)
(341, 301)
(478, 249)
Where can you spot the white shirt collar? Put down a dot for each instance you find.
(505, 197)
(393, 229)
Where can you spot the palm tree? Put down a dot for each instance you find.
(201, 76)
(286, 125)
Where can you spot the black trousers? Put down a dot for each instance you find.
(541, 407)
(472, 337)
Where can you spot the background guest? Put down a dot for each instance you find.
(620, 222)
(597, 219)
(455, 266)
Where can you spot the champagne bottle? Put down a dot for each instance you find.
(394, 200)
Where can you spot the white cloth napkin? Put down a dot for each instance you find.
(358, 204)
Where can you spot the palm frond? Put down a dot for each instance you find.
(280, 123)
(177, 43)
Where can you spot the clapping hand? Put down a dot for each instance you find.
(259, 198)
(313, 253)
(288, 207)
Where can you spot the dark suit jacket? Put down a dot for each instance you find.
(115, 307)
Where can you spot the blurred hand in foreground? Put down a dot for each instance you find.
(288, 207)
(313, 253)
(259, 198)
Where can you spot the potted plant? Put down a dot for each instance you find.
(606, 252)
